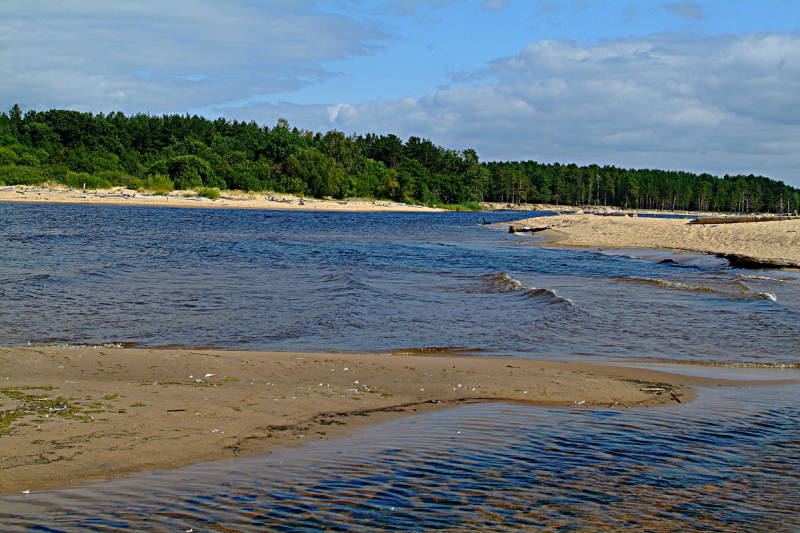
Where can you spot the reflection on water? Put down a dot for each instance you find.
(728, 462)
(371, 282)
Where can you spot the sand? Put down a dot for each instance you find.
(772, 244)
(80, 414)
(228, 200)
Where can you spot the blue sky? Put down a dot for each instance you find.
(704, 86)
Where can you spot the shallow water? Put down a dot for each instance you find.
(358, 282)
(728, 462)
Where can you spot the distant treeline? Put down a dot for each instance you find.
(191, 152)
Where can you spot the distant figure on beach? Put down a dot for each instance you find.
(84, 188)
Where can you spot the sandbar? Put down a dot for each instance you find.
(774, 244)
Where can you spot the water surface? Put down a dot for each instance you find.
(422, 283)
(361, 282)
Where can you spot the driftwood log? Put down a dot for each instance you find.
(526, 229)
(739, 219)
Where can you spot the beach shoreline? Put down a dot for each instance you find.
(773, 244)
(83, 414)
(227, 200)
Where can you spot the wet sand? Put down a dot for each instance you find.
(227, 200)
(75, 415)
(770, 244)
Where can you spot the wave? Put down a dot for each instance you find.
(764, 278)
(766, 296)
(503, 283)
(667, 284)
(500, 283)
(743, 295)
(740, 283)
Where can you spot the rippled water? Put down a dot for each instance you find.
(728, 462)
(355, 282)
(421, 282)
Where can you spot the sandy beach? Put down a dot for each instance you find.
(773, 244)
(227, 200)
(75, 415)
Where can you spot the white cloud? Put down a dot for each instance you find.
(167, 56)
(715, 104)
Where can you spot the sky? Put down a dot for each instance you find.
(701, 86)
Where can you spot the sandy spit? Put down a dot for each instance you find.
(775, 243)
(73, 415)
(228, 200)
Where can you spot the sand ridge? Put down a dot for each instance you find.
(80, 414)
(774, 243)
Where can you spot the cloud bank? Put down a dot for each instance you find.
(716, 104)
(169, 56)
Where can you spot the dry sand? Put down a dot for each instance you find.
(228, 200)
(73, 415)
(774, 243)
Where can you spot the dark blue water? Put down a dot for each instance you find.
(354, 282)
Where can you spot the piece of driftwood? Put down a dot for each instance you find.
(526, 229)
(739, 219)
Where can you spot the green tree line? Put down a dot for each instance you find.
(192, 152)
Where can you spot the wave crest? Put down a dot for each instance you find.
(764, 278)
(667, 284)
(503, 283)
